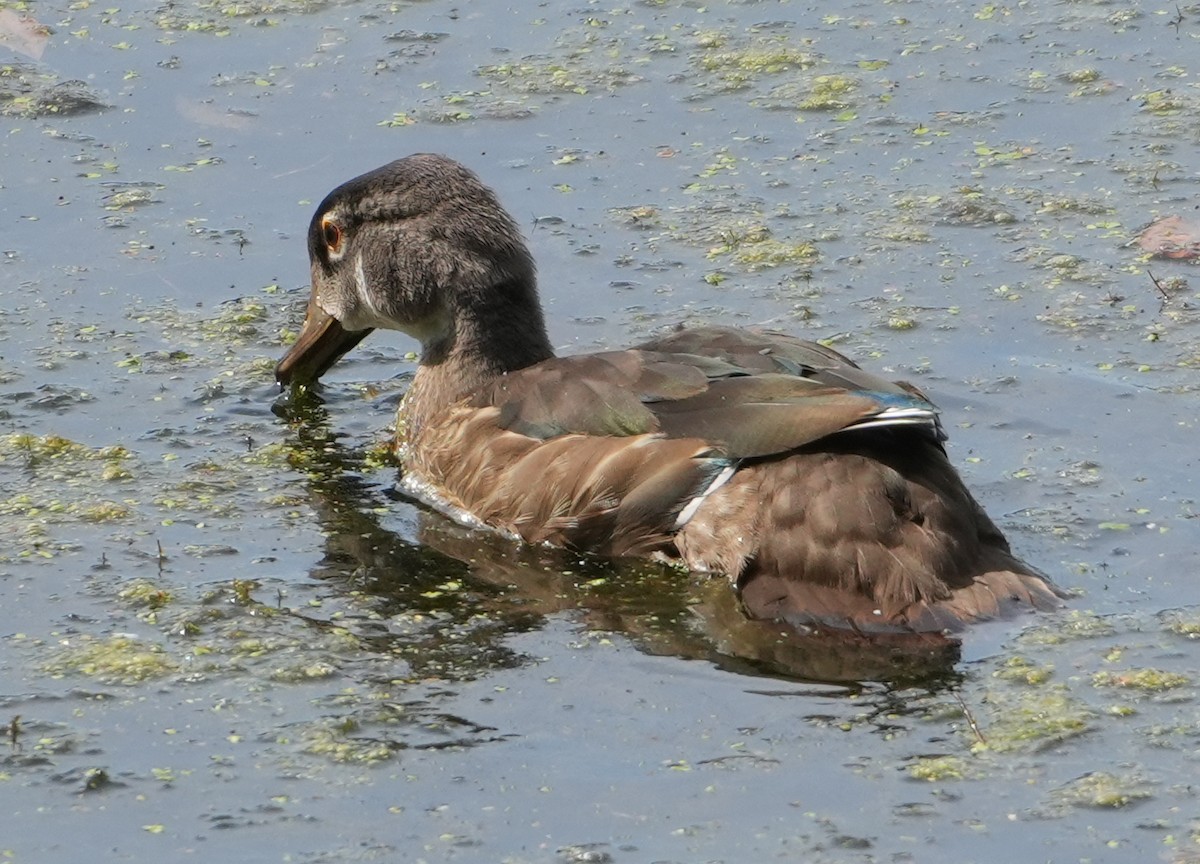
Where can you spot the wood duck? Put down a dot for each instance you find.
(821, 491)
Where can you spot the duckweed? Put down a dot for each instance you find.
(300, 673)
(828, 93)
(897, 233)
(143, 593)
(35, 449)
(1063, 262)
(332, 742)
(1024, 671)
(1147, 680)
(1081, 76)
(215, 16)
(236, 322)
(585, 62)
(62, 477)
(1033, 719)
(1075, 624)
(936, 769)
(128, 199)
(113, 660)
(107, 511)
(757, 251)
(1164, 102)
(764, 55)
(1103, 790)
(32, 91)
(1181, 623)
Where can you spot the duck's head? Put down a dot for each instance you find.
(419, 245)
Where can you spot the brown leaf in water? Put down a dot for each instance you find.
(1171, 237)
(23, 34)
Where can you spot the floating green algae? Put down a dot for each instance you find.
(299, 673)
(814, 93)
(33, 91)
(583, 60)
(1033, 719)
(35, 451)
(213, 16)
(1080, 76)
(770, 252)
(536, 77)
(336, 740)
(1166, 102)
(127, 197)
(62, 481)
(738, 61)
(936, 769)
(142, 593)
(236, 322)
(1075, 624)
(1102, 790)
(112, 660)
(1181, 622)
(899, 233)
(964, 206)
(1024, 671)
(1145, 680)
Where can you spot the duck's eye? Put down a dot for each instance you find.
(332, 233)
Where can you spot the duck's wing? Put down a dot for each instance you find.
(744, 394)
(766, 352)
(603, 394)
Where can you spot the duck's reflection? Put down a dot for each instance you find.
(472, 590)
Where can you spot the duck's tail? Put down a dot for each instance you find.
(863, 535)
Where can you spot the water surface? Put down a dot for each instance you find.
(226, 636)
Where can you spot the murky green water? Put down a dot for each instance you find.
(226, 637)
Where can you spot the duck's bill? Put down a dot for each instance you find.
(321, 343)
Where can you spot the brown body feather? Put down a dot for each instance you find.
(869, 528)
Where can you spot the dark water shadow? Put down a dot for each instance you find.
(475, 589)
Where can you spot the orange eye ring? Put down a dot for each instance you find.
(332, 234)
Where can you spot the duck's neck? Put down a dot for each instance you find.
(488, 334)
